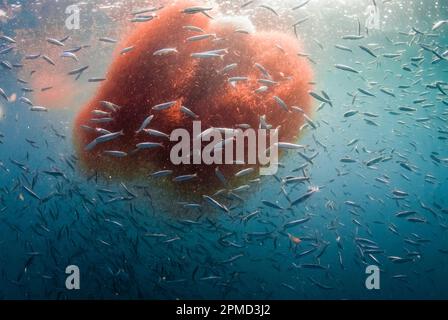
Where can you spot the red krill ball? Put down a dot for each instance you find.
(138, 80)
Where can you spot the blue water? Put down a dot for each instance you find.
(109, 242)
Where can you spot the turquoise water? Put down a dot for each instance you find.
(137, 249)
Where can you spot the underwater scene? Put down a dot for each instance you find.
(226, 149)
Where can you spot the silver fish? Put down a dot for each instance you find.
(215, 203)
(164, 106)
(115, 154)
(145, 123)
(103, 139)
(188, 112)
(165, 52)
(70, 55)
(126, 50)
(108, 40)
(161, 173)
(196, 9)
(244, 172)
(149, 145)
(201, 37)
(38, 109)
(281, 103)
(55, 42)
(156, 133)
(345, 68)
(186, 177)
(193, 28)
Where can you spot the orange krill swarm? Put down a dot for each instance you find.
(137, 80)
